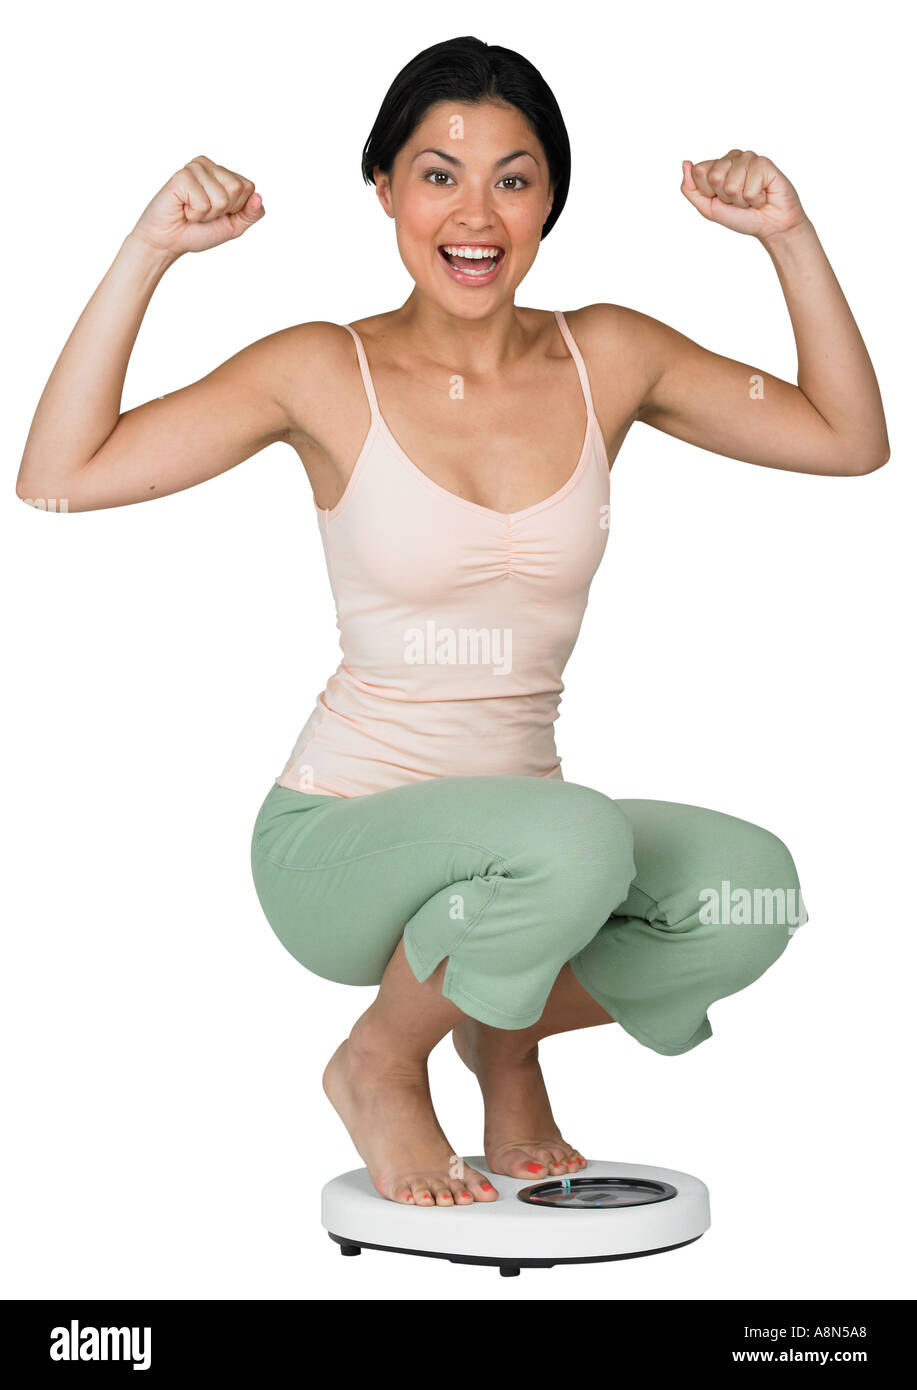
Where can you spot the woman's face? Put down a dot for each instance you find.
(474, 178)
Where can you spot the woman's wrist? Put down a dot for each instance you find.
(802, 233)
(152, 259)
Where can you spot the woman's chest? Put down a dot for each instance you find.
(503, 453)
(399, 539)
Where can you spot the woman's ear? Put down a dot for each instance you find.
(383, 190)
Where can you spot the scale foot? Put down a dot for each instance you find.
(507, 1268)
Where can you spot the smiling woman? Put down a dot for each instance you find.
(421, 835)
(463, 70)
(469, 155)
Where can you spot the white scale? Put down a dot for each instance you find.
(616, 1211)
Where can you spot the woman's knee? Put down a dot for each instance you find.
(760, 883)
(753, 909)
(581, 849)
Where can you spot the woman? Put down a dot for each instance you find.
(421, 836)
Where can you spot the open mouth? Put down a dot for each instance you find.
(472, 265)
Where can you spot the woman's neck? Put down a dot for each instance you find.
(479, 345)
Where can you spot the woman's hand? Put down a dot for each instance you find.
(743, 191)
(201, 206)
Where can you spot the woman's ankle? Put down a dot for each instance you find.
(375, 1046)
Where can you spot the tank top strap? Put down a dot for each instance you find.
(578, 359)
(364, 372)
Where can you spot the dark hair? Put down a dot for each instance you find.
(468, 69)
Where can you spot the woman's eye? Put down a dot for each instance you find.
(441, 178)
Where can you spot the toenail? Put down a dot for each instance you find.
(488, 1185)
(534, 1167)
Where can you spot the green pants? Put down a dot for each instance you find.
(661, 908)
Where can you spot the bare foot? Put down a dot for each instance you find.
(388, 1111)
(521, 1138)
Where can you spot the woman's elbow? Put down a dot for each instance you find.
(38, 490)
(866, 463)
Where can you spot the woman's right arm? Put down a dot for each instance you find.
(82, 453)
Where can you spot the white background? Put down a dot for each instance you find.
(747, 648)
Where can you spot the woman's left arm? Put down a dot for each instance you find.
(832, 421)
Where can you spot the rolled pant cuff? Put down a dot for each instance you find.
(666, 1049)
(470, 1004)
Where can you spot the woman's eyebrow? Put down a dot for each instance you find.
(451, 159)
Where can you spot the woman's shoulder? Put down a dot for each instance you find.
(595, 323)
(614, 341)
(377, 326)
(314, 367)
(608, 330)
(317, 337)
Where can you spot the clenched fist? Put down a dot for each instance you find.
(743, 191)
(201, 206)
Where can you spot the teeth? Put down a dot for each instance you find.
(473, 253)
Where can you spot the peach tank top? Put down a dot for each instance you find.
(455, 621)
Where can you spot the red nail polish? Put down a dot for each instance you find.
(534, 1167)
(488, 1185)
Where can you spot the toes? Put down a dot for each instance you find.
(538, 1161)
(481, 1188)
(549, 1159)
(560, 1161)
(461, 1193)
(519, 1163)
(445, 1192)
